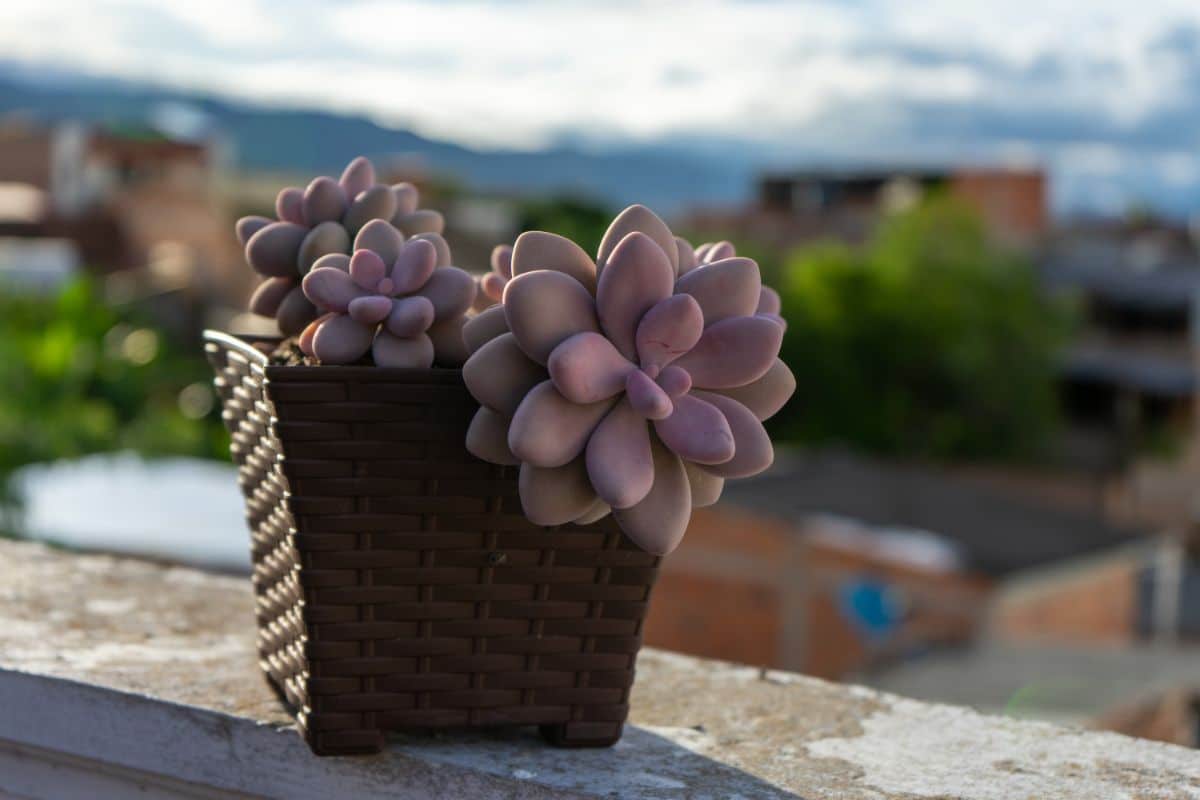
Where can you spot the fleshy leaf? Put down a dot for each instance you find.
(379, 236)
(668, 330)
(544, 308)
(367, 269)
(487, 438)
(548, 430)
(483, 327)
(269, 294)
(718, 252)
(733, 352)
(646, 396)
(414, 265)
(687, 256)
(423, 220)
(538, 250)
(341, 340)
(409, 316)
(492, 285)
(248, 226)
(439, 244)
(326, 239)
(407, 197)
(324, 201)
(696, 431)
(414, 352)
(375, 202)
(357, 177)
(586, 368)
(449, 350)
(706, 487)
(499, 374)
(618, 456)
(295, 312)
(450, 290)
(728, 288)
(769, 302)
(637, 277)
(272, 251)
(765, 396)
(370, 310)
(555, 496)
(637, 218)
(658, 522)
(330, 289)
(289, 205)
(674, 381)
(753, 452)
(597, 512)
(501, 260)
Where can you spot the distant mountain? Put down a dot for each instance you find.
(317, 141)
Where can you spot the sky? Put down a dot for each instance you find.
(1106, 93)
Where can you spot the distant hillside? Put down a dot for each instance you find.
(316, 141)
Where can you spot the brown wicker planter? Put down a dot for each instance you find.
(398, 584)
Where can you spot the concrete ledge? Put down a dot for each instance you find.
(119, 676)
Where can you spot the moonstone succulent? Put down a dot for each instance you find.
(724, 256)
(319, 220)
(622, 384)
(492, 282)
(391, 297)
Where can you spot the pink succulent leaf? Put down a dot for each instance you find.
(539, 250)
(727, 288)
(289, 205)
(331, 289)
(408, 316)
(487, 438)
(341, 340)
(557, 495)
(248, 226)
(643, 220)
(492, 285)
(658, 522)
(375, 202)
(407, 198)
(483, 327)
(767, 395)
(324, 201)
(357, 177)
(675, 381)
(272, 251)
(718, 252)
(450, 350)
(327, 238)
(370, 310)
(733, 352)
(586, 368)
(687, 255)
(451, 290)
(338, 261)
(701, 252)
(696, 431)
(367, 270)
(501, 261)
(305, 339)
(646, 397)
(769, 302)
(269, 294)
(410, 352)
(597, 512)
(775, 318)
(668, 330)
(439, 244)
(706, 487)
(544, 308)
(379, 236)
(549, 430)
(637, 277)
(295, 311)
(413, 266)
(753, 452)
(499, 375)
(619, 462)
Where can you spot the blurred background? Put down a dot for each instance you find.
(984, 222)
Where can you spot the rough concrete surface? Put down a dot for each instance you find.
(122, 673)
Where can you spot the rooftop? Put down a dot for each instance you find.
(119, 675)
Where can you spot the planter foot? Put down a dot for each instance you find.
(582, 734)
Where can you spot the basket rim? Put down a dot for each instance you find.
(245, 345)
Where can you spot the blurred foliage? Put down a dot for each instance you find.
(929, 341)
(581, 221)
(82, 377)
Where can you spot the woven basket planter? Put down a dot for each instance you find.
(398, 585)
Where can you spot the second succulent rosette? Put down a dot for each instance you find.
(625, 385)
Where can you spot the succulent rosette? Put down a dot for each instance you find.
(619, 385)
(492, 282)
(316, 221)
(399, 299)
(769, 303)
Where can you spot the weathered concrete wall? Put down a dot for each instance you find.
(119, 676)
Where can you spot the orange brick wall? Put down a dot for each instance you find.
(1096, 606)
(1013, 202)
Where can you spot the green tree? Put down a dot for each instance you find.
(929, 341)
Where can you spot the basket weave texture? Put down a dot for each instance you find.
(398, 584)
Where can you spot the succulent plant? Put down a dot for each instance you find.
(316, 221)
(492, 283)
(399, 299)
(621, 385)
(769, 303)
